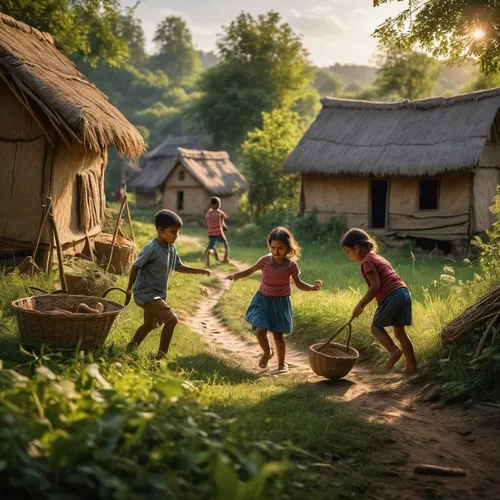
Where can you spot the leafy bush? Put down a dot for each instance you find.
(112, 431)
(490, 248)
(311, 229)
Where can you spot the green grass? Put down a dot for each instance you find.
(135, 428)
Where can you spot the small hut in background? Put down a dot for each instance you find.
(196, 176)
(423, 169)
(55, 131)
(158, 164)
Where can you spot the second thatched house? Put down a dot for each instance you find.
(196, 176)
(55, 131)
(158, 163)
(423, 169)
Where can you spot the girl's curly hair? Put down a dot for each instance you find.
(283, 234)
(360, 238)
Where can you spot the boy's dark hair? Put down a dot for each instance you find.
(214, 200)
(358, 237)
(166, 218)
(283, 234)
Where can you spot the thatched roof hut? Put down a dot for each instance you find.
(158, 163)
(423, 168)
(55, 131)
(196, 176)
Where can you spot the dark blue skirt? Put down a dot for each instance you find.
(272, 313)
(395, 310)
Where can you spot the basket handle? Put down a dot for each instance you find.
(337, 332)
(55, 292)
(127, 300)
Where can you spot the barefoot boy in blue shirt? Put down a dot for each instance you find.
(149, 280)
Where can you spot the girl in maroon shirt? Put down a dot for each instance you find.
(392, 296)
(271, 308)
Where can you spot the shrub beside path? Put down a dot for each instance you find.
(457, 436)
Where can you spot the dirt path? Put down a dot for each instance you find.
(451, 436)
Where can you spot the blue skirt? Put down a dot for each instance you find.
(272, 313)
(395, 310)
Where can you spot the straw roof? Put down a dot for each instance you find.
(410, 138)
(159, 161)
(213, 170)
(54, 91)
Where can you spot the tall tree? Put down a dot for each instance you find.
(454, 29)
(327, 83)
(263, 66)
(175, 52)
(405, 74)
(87, 29)
(263, 154)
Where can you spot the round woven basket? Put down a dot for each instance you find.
(38, 324)
(332, 362)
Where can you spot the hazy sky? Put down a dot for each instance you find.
(333, 30)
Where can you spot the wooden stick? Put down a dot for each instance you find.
(480, 346)
(44, 220)
(437, 470)
(51, 253)
(87, 239)
(62, 277)
(129, 219)
(117, 225)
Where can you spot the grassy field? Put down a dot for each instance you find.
(228, 435)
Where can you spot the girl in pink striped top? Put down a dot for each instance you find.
(271, 308)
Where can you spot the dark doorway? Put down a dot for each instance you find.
(180, 200)
(379, 203)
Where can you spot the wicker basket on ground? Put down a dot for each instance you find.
(123, 256)
(331, 360)
(41, 324)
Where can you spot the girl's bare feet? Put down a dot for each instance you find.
(410, 370)
(264, 359)
(393, 358)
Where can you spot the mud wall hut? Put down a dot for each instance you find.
(196, 176)
(157, 165)
(420, 169)
(55, 131)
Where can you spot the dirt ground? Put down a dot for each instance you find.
(422, 433)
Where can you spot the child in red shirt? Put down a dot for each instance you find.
(271, 308)
(216, 227)
(392, 296)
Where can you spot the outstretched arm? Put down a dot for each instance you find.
(306, 287)
(373, 290)
(242, 274)
(193, 270)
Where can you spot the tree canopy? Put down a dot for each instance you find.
(263, 66)
(94, 30)
(263, 154)
(175, 52)
(405, 74)
(457, 30)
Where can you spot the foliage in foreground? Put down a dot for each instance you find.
(456, 30)
(110, 430)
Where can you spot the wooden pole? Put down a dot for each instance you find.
(129, 219)
(62, 277)
(117, 225)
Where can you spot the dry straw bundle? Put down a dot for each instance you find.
(485, 313)
(86, 278)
